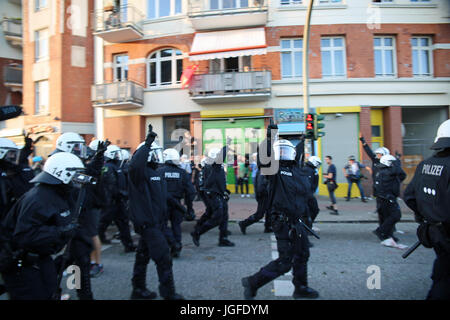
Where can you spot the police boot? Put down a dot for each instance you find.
(224, 242)
(167, 290)
(175, 250)
(195, 237)
(301, 287)
(249, 290)
(142, 294)
(242, 226)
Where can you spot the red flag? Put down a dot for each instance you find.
(187, 74)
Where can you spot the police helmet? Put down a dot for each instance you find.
(72, 142)
(387, 160)
(60, 168)
(383, 151)
(171, 155)
(94, 144)
(113, 152)
(9, 151)
(155, 154)
(125, 154)
(315, 161)
(442, 140)
(213, 153)
(284, 150)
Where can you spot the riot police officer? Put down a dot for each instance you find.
(310, 168)
(148, 210)
(289, 190)
(217, 196)
(115, 209)
(387, 188)
(261, 192)
(428, 195)
(179, 186)
(38, 226)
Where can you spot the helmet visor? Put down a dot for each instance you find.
(156, 155)
(11, 155)
(80, 150)
(284, 152)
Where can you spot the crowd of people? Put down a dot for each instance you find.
(56, 214)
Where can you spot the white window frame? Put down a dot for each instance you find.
(419, 47)
(174, 57)
(38, 4)
(39, 39)
(238, 5)
(123, 66)
(331, 1)
(292, 50)
(332, 49)
(39, 108)
(394, 56)
(172, 9)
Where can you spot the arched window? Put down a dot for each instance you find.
(164, 67)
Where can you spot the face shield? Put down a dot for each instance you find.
(11, 155)
(156, 155)
(79, 149)
(284, 152)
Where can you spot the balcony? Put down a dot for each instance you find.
(12, 29)
(118, 24)
(118, 95)
(231, 87)
(213, 15)
(12, 77)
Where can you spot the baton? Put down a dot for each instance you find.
(411, 250)
(308, 228)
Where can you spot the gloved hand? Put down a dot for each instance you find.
(362, 139)
(68, 231)
(150, 136)
(28, 141)
(102, 146)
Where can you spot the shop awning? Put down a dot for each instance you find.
(226, 44)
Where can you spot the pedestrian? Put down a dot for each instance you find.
(115, 209)
(331, 182)
(428, 195)
(237, 180)
(179, 186)
(387, 188)
(254, 170)
(148, 210)
(352, 172)
(217, 196)
(243, 176)
(38, 226)
(289, 190)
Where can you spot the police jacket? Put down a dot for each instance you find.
(215, 181)
(428, 194)
(147, 192)
(110, 182)
(122, 179)
(35, 220)
(312, 175)
(387, 181)
(177, 180)
(260, 184)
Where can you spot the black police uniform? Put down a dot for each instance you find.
(148, 209)
(201, 187)
(313, 207)
(39, 226)
(387, 189)
(428, 195)
(113, 180)
(262, 198)
(289, 190)
(217, 196)
(178, 186)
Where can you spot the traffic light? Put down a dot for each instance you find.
(317, 125)
(309, 123)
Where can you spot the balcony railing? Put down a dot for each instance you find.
(12, 29)
(12, 76)
(118, 24)
(231, 86)
(118, 95)
(206, 14)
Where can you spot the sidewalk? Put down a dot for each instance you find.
(353, 211)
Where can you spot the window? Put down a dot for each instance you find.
(420, 0)
(382, 0)
(228, 4)
(41, 97)
(234, 64)
(120, 67)
(333, 57)
(421, 56)
(164, 67)
(330, 1)
(41, 44)
(291, 58)
(384, 48)
(289, 2)
(163, 8)
(174, 127)
(39, 4)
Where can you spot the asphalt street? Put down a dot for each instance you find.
(337, 268)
